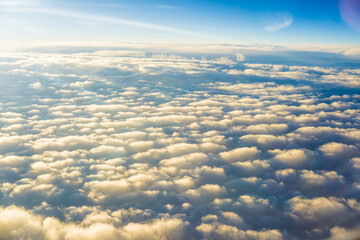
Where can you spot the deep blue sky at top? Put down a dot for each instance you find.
(279, 21)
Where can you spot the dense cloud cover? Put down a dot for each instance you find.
(138, 141)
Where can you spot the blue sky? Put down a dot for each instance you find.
(277, 21)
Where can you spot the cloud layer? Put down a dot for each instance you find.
(132, 142)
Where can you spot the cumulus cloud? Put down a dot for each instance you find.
(17, 222)
(338, 233)
(334, 149)
(36, 85)
(310, 212)
(136, 140)
(239, 154)
(292, 157)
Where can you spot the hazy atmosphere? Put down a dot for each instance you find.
(180, 120)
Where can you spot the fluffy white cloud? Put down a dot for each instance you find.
(240, 154)
(17, 223)
(134, 141)
(334, 149)
(292, 157)
(318, 212)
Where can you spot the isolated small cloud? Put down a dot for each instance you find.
(240, 57)
(36, 85)
(278, 21)
(170, 7)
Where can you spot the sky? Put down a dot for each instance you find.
(179, 120)
(280, 21)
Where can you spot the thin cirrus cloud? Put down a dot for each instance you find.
(14, 3)
(170, 7)
(85, 16)
(278, 21)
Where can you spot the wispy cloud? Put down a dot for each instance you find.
(171, 7)
(278, 21)
(99, 18)
(18, 3)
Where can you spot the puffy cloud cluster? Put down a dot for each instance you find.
(131, 142)
(18, 223)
